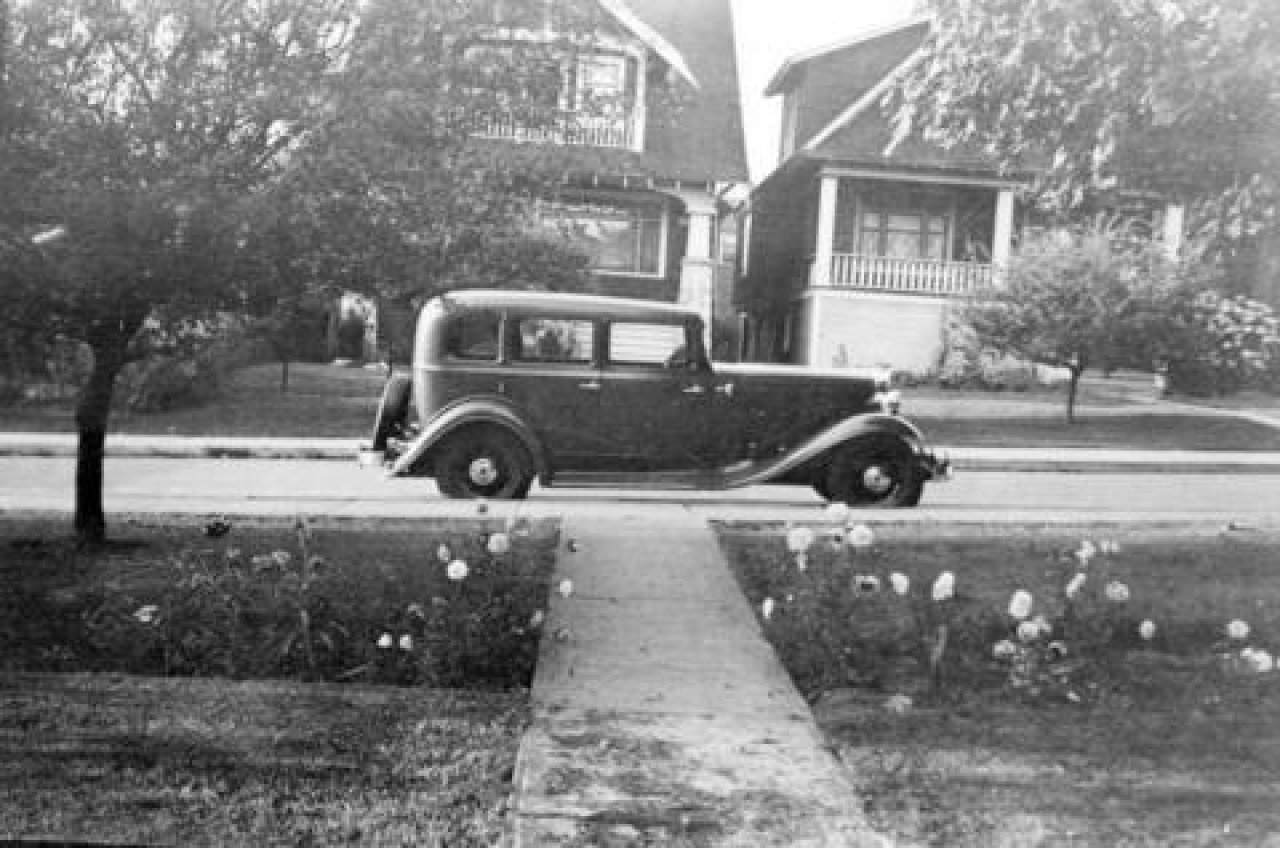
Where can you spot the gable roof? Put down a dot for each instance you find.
(705, 139)
(649, 36)
(840, 117)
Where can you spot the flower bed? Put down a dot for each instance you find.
(995, 683)
(445, 605)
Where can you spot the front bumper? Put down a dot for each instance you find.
(935, 467)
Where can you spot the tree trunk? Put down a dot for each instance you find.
(109, 341)
(1073, 386)
(92, 411)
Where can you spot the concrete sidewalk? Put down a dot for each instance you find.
(661, 714)
(963, 458)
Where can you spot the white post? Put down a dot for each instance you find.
(824, 237)
(1172, 230)
(1002, 236)
(697, 272)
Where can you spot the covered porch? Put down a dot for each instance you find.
(936, 236)
(891, 255)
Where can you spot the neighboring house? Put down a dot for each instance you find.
(651, 130)
(857, 244)
(653, 107)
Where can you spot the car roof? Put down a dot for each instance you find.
(567, 304)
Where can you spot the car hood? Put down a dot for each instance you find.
(882, 376)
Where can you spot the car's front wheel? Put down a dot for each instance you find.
(483, 462)
(876, 471)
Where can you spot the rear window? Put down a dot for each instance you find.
(473, 336)
(555, 340)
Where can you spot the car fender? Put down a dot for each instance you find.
(479, 410)
(857, 426)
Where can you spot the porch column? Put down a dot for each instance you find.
(1002, 236)
(1171, 233)
(697, 271)
(820, 270)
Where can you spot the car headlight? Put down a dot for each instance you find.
(888, 401)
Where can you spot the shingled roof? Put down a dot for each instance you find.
(840, 117)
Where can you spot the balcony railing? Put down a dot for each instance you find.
(572, 130)
(907, 276)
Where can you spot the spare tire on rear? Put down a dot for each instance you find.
(393, 410)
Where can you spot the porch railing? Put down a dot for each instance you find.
(574, 130)
(907, 276)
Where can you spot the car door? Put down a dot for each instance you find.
(553, 376)
(658, 402)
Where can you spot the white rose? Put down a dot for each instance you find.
(1020, 604)
(944, 588)
(1237, 629)
(861, 536)
(1076, 584)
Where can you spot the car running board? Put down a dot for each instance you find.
(657, 480)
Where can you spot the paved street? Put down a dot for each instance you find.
(344, 489)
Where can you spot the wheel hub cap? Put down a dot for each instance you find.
(876, 481)
(483, 471)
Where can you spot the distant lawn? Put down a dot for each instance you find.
(1137, 430)
(333, 401)
(325, 401)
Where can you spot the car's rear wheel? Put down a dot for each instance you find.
(878, 471)
(483, 462)
(393, 410)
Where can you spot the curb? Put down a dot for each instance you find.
(1081, 460)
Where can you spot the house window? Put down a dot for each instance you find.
(896, 223)
(620, 235)
(902, 235)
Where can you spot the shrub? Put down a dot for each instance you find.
(1227, 344)
(164, 383)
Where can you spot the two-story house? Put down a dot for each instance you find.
(859, 243)
(651, 119)
(649, 133)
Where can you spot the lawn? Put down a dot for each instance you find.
(322, 401)
(161, 691)
(1089, 734)
(337, 401)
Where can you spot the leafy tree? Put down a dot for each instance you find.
(145, 145)
(133, 132)
(1081, 302)
(1177, 96)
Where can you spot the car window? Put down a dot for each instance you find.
(555, 340)
(647, 344)
(473, 335)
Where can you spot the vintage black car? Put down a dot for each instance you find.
(580, 390)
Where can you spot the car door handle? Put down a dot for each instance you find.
(695, 389)
(590, 386)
